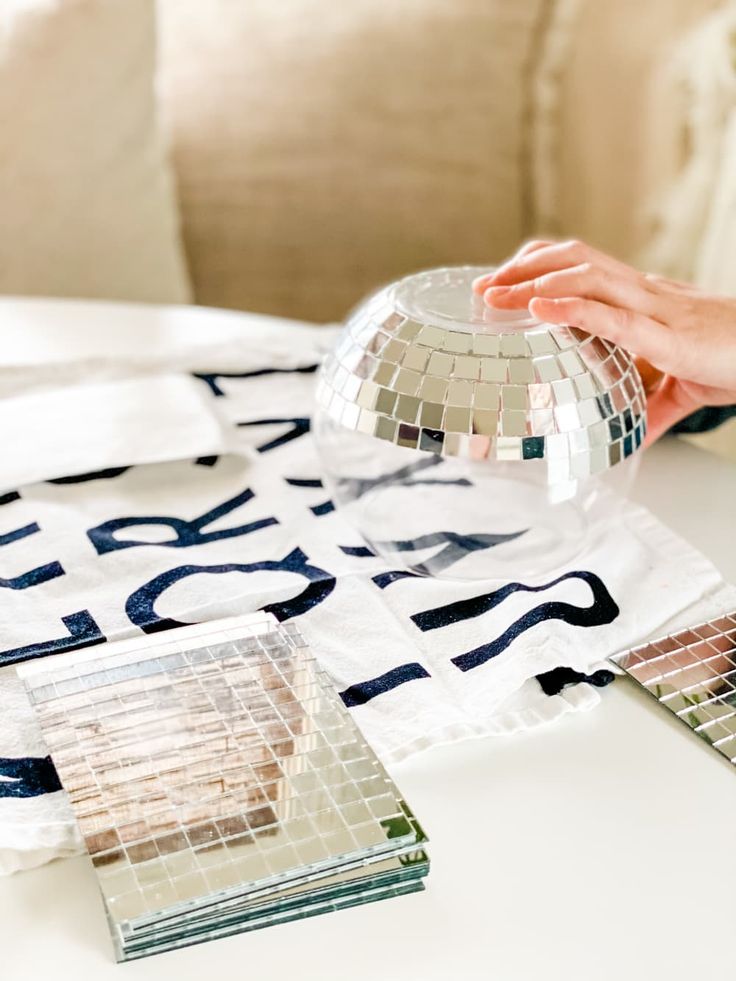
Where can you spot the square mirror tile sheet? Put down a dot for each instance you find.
(693, 674)
(220, 784)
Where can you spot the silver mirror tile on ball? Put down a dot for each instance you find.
(425, 365)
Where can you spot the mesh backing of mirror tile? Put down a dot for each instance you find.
(219, 783)
(692, 673)
(547, 392)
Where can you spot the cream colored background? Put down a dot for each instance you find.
(87, 204)
(323, 148)
(320, 149)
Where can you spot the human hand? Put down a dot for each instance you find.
(684, 340)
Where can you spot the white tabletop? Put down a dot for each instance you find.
(598, 848)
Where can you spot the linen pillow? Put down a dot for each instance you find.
(322, 149)
(609, 133)
(87, 204)
(716, 269)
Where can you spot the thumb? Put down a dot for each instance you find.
(667, 405)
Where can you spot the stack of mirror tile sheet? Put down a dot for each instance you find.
(220, 784)
(692, 673)
(503, 392)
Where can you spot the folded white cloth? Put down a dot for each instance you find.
(50, 342)
(116, 551)
(69, 430)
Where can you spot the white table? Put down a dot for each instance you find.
(599, 848)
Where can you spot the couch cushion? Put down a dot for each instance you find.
(323, 148)
(86, 203)
(610, 133)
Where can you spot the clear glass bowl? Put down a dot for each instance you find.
(467, 445)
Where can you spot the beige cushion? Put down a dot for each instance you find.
(615, 116)
(716, 268)
(323, 148)
(86, 202)
(697, 239)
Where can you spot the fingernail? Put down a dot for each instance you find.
(498, 291)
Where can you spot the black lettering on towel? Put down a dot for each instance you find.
(211, 379)
(27, 776)
(451, 547)
(187, 533)
(602, 610)
(15, 536)
(300, 426)
(364, 691)
(554, 681)
(109, 473)
(403, 477)
(82, 632)
(34, 577)
(303, 481)
(140, 604)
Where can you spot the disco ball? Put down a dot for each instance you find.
(469, 443)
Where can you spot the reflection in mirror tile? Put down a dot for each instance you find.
(220, 784)
(693, 674)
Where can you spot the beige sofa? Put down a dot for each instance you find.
(319, 149)
(322, 148)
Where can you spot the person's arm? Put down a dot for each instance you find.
(684, 339)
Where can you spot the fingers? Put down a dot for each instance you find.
(558, 255)
(667, 405)
(553, 256)
(636, 332)
(681, 332)
(585, 280)
(481, 284)
(533, 245)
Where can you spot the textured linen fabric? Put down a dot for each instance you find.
(87, 203)
(113, 552)
(610, 123)
(634, 142)
(111, 420)
(696, 217)
(323, 149)
(697, 235)
(716, 269)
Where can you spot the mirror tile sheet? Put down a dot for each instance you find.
(220, 784)
(547, 391)
(692, 673)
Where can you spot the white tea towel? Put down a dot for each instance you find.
(108, 554)
(47, 343)
(62, 432)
